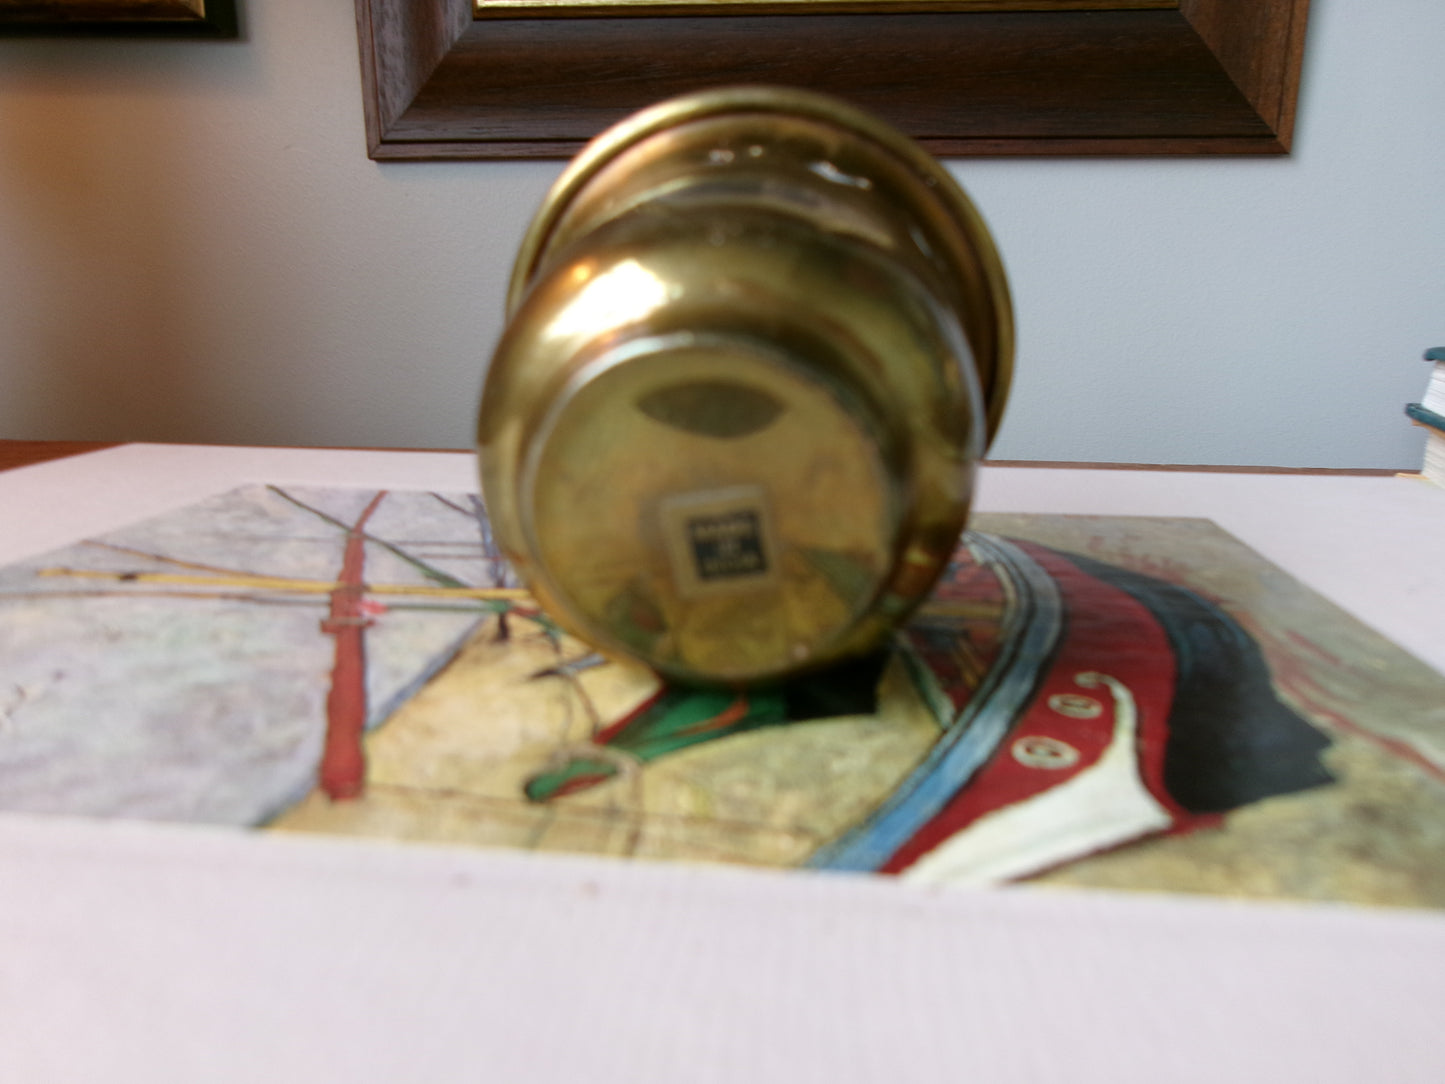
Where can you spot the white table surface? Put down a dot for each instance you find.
(166, 953)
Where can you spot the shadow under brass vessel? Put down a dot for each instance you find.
(757, 343)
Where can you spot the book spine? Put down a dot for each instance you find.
(1434, 466)
(1434, 398)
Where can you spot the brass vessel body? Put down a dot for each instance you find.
(757, 343)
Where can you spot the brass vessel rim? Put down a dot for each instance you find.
(792, 102)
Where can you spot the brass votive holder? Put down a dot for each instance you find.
(757, 342)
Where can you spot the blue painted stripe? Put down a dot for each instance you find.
(1033, 624)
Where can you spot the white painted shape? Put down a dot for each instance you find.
(1104, 805)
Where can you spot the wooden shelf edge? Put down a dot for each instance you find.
(22, 453)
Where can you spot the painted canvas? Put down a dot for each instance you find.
(1110, 701)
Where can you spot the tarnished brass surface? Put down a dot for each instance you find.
(757, 342)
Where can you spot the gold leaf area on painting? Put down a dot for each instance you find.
(86, 10)
(496, 9)
(757, 342)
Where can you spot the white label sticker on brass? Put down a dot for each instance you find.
(719, 540)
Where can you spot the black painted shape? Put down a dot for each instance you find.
(847, 688)
(1231, 740)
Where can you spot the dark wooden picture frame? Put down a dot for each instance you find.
(149, 18)
(1196, 77)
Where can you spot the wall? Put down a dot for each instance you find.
(194, 246)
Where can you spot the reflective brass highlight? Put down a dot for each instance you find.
(757, 342)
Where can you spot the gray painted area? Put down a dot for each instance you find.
(213, 691)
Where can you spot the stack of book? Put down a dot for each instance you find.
(1429, 413)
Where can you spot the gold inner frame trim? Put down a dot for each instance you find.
(495, 9)
(87, 10)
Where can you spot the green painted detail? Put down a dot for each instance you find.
(676, 719)
(683, 717)
(577, 774)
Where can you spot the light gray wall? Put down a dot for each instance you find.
(194, 246)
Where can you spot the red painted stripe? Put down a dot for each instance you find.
(608, 733)
(343, 761)
(733, 713)
(1107, 631)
